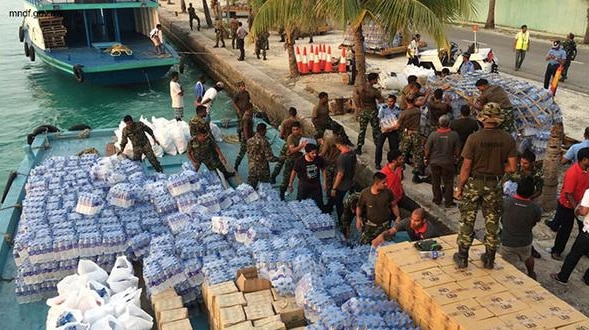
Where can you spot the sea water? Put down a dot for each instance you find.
(33, 94)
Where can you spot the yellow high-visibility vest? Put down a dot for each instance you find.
(522, 40)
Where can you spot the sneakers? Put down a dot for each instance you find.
(555, 277)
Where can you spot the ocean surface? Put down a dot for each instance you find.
(33, 94)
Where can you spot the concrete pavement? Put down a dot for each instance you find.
(270, 81)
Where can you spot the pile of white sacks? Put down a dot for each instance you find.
(172, 135)
(95, 300)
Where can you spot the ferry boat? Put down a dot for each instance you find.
(103, 42)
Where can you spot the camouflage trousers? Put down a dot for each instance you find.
(258, 173)
(508, 123)
(241, 154)
(369, 233)
(331, 171)
(412, 144)
(487, 194)
(288, 165)
(280, 163)
(365, 117)
(148, 152)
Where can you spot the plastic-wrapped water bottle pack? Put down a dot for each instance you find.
(247, 193)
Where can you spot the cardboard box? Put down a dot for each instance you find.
(526, 319)
(500, 265)
(447, 294)
(493, 323)
(230, 315)
(447, 258)
(208, 292)
(168, 293)
(501, 303)
(228, 300)
(167, 304)
(290, 313)
(276, 325)
(482, 285)
(245, 325)
(559, 314)
(466, 312)
(248, 281)
(183, 324)
(258, 311)
(461, 274)
(448, 241)
(583, 325)
(171, 315)
(513, 280)
(267, 320)
(534, 296)
(431, 277)
(263, 296)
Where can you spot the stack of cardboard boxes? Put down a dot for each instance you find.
(439, 296)
(170, 313)
(250, 303)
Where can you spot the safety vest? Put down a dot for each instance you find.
(522, 40)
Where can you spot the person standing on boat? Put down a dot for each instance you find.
(177, 94)
(192, 16)
(209, 97)
(203, 149)
(199, 120)
(199, 90)
(135, 131)
(157, 37)
(247, 131)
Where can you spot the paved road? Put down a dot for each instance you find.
(534, 64)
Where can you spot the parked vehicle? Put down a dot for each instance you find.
(482, 58)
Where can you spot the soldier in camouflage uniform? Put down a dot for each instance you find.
(262, 44)
(411, 140)
(527, 168)
(496, 94)
(375, 209)
(220, 33)
(295, 147)
(202, 149)
(259, 154)
(349, 213)
(199, 121)
(285, 130)
(135, 131)
(247, 131)
(485, 154)
(365, 97)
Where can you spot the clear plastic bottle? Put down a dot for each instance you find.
(431, 254)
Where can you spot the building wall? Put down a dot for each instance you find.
(553, 16)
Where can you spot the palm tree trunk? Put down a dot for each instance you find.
(205, 8)
(360, 57)
(490, 24)
(586, 37)
(292, 59)
(551, 167)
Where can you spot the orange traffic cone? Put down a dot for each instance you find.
(328, 64)
(304, 64)
(299, 59)
(317, 63)
(323, 57)
(342, 62)
(311, 59)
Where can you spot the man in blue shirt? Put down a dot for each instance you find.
(388, 113)
(467, 66)
(571, 154)
(199, 90)
(555, 57)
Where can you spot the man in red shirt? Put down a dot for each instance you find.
(394, 173)
(575, 182)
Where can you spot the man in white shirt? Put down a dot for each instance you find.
(580, 247)
(157, 37)
(177, 93)
(209, 97)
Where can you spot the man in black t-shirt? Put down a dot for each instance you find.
(465, 125)
(344, 177)
(308, 169)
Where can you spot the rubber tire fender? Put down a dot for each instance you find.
(21, 34)
(78, 73)
(79, 127)
(39, 130)
(32, 53)
(26, 46)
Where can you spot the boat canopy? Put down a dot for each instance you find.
(52, 5)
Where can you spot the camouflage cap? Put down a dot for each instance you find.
(491, 112)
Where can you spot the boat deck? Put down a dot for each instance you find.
(99, 55)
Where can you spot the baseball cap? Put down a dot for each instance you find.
(220, 84)
(491, 112)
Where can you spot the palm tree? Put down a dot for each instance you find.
(429, 15)
(586, 37)
(490, 24)
(205, 8)
(289, 14)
